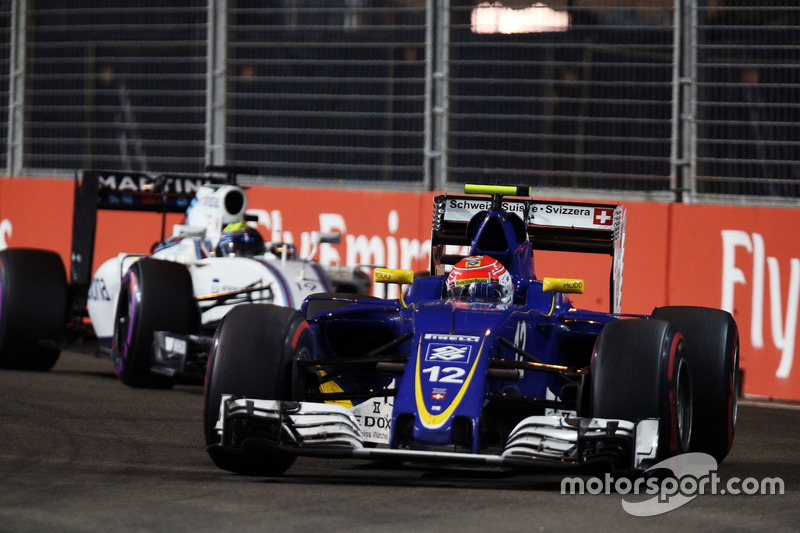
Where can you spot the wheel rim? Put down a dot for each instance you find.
(683, 405)
(123, 331)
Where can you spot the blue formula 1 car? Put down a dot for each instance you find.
(478, 364)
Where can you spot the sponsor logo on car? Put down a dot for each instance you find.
(564, 210)
(449, 353)
(451, 338)
(140, 183)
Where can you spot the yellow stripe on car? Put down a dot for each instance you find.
(331, 387)
(429, 420)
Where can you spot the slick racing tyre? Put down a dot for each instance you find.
(640, 370)
(712, 341)
(154, 296)
(33, 308)
(253, 356)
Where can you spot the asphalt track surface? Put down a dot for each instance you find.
(79, 451)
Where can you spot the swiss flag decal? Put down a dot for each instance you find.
(603, 217)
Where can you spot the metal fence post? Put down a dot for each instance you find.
(437, 51)
(690, 102)
(216, 90)
(16, 88)
(683, 168)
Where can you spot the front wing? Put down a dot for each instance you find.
(331, 430)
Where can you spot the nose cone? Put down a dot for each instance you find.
(443, 388)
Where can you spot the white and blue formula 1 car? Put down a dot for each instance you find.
(152, 314)
(481, 364)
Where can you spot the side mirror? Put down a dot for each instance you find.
(567, 285)
(322, 237)
(327, 237)
(394, 275)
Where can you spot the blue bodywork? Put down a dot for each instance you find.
(463, 373)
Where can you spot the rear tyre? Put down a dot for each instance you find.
(33, 308)
(712, 341)
(154, 296)
(253, 356)
(639, 370)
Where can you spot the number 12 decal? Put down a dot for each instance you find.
(448, 374)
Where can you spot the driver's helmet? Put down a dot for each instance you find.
(239, 239)
(480, 277)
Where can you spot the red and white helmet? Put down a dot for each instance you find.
(480, 269)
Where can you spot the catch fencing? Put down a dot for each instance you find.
(685, 100)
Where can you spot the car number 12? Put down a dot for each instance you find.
(448, 374)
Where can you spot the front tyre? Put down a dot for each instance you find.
(154, 296)
(640, 370)
(712, 341)
(253, 355)
(33, 308)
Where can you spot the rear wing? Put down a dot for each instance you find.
(131, 191)
(555, 226)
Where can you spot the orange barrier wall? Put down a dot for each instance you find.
(739, 258)
(744, 259)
